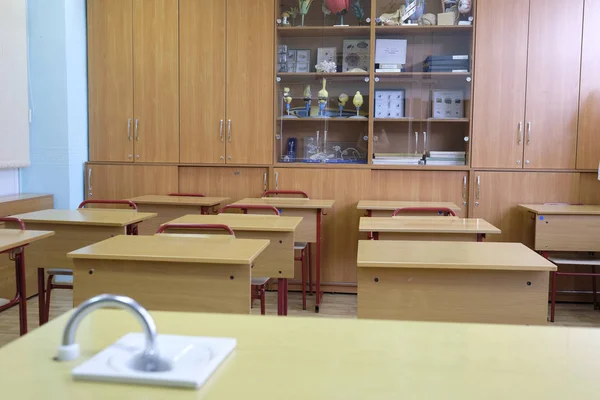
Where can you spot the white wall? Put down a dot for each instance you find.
(9, 181)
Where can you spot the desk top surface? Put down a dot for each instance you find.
(287, 202)
(241, 222)
(21, 196)
(11, 238)
(450, 255)
(170, 248)
(179, 200)
(394, 205)
(86, 216)
(433, 224)
(558, 209)
(356, 359)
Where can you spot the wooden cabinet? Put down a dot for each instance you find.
(340, 225)
(495, 196)
(133, 80)
(226, 87)
(499, 83)
(526, 118)
(449, 186)
(110, 79)
(235, 183)
(553, 70)
(588, 143)
(123, 181)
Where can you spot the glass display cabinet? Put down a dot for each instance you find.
(389, 84)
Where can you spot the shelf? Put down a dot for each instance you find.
(422, 74)
(455, 120)
(319, 31)
(321, 119)
(433, 29)
(371, 166)
(321, 75)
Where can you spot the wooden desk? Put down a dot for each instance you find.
(173, 273)
(384, 208)
(309, 231)
(73, 229)
(277, 260)
(452, 281)
(171, 207)
(563, 227)
(427, 228)
(356, 359)
(13, 242)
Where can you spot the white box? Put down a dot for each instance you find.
(390, 103)
(390, 51)
(448, 104)
(357, 54)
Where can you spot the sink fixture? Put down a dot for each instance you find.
(144, 358)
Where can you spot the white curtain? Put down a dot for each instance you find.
(14, 107)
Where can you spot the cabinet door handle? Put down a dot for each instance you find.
(229, 130)
(265, 182)
(416, 142)
(129, 129)
(90, 181)
(520, 138)
(137, 131)
(424, 142)
(276, 180)
(528, 132)
(464, 192)
(477, 189)
(221, 131)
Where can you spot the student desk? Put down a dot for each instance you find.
(428, 228)
(277, 260)
(310, 229)
(355, 359)
(452, 281)
(171, 207)
(385, 208)
(174, 273)
(13, 242)
(74, 229)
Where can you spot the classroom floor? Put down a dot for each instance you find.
(334, 306)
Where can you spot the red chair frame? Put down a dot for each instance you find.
(246, 207)
(445, 210)
(17, 254)
(267, 193)
(223, 227)
(131, 229)
(187, 194)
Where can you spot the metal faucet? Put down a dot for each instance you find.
(69, 350)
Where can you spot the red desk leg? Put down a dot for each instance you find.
(318, 263)
(41, 272)
(282, 296)
(21, 289)
(370, 234)
(204, 210)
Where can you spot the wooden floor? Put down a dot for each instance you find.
(334, 306)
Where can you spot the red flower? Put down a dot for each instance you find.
(338, 6)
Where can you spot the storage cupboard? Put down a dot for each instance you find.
(133, 80)
(226, 86)
(526, 86)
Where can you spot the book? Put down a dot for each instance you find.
(444, 69)
(448, 57)
(446, 153)
(384, 70)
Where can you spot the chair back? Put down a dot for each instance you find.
(440, 210)
(245, 207)
(129, 203)
(187, 194)
(270, 193)
(14, 219)
(197, 227)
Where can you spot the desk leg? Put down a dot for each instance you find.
(282, 296)
(374, 235)
(318, 263)
(203, 210)
(21, 289)
(480, 237)
(132, 229)
(370, 234)
(41, 273)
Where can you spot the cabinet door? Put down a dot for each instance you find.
(202, 80)
(123, 181)
(110, 80)
(340, 224)
(553, 70)
(444, 186)
(500, 82)
(156, 80)
(235, 183)
(588, 143)
(250, 81)
(496, 196)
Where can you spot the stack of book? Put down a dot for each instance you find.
(450, 63)
(397, 159)
(445, 158)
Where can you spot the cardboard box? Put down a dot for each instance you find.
(357, 54)
(446, 18)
